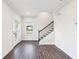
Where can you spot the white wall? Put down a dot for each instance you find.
(34, 34)
(65, 29)
(43, 19)
(8, 39)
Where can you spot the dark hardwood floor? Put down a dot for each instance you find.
(24, 50)
(52, 52)
(32, 50)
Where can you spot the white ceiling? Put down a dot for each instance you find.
(33, 7)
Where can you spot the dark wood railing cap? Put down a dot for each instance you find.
(46, 26)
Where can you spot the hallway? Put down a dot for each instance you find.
(32, 50)
(39, 29)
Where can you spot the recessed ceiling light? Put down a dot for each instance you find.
(43, 13)
(61, 0)
(28, 13)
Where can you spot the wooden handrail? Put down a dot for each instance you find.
(46, 26)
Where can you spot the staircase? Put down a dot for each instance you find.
(46, 30)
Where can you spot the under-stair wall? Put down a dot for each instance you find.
(48, 40)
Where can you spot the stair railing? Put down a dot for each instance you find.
(46, 30)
